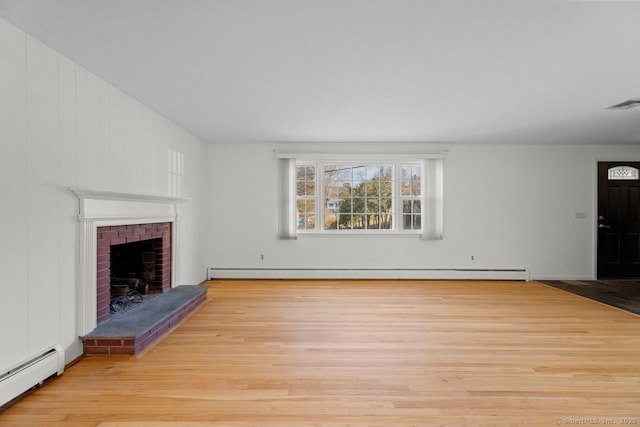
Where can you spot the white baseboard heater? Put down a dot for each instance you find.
(30, 373)
(369, 273)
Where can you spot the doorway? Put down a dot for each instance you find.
(618, 220)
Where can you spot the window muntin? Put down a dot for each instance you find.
(359, 197)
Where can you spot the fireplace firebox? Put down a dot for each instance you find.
(136, 255)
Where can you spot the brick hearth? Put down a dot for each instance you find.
(131, 332)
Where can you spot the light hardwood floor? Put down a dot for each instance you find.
(361, 353)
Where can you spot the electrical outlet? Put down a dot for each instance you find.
(261, 257)
(473, 257)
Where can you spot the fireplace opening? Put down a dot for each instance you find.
(134, 263)
(133, 272)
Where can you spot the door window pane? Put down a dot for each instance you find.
(623, 172)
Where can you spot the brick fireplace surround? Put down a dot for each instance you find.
(119, 234)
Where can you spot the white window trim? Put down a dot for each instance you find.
(432, 192)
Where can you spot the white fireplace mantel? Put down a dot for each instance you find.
(112, 205)
(101, 208)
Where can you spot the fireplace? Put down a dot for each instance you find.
(121, 218)
(137, 256)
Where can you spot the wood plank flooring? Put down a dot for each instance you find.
(362, 353)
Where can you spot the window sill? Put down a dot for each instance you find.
(334, 234)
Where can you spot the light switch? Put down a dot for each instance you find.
(581, 215)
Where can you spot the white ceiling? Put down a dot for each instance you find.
(361, 70)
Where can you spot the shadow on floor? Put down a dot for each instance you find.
(624, 294)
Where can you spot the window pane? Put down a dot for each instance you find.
(411, 219)
(386, 205)
(411, 176)
(411, 206)
(386, 173)
(306, 214)
(387, 190)
(345, 221)
(330, 222)
(379, 221)
(344, 189)
(411, 222)
(305, 180)
(372, 189)
(623, 172)
(417, 222)
(358, 205)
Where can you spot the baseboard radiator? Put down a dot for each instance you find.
(30, 373)
(369, 273)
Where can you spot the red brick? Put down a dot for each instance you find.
(103, 266)
(133, 239)
(103, 314)
(125, 233)
(146, 342)
(96, 351)
(107, 235)
(106, 342)
(122, 351)
(118, 241)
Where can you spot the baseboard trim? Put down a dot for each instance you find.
(368, 273)
(564, 278)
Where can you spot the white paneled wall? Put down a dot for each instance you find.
(63, 126)
(43, 192)
(13, 186)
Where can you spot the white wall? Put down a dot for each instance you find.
(509, 206)
(62, 126)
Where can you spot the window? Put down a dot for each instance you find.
(623, 172)
(306, 197)
(355, 194)
(411, 196)
(358, 196)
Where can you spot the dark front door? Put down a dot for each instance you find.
(618, 220)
